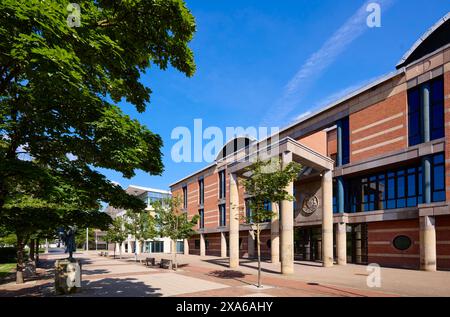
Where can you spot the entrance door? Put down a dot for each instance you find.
(357, 244)
(308, 244)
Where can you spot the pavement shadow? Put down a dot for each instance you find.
(242, 262)
(112, 287)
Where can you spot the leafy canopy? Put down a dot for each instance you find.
(171, 222)
(267, 183)
(60, 85)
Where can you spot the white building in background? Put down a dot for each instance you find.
(157, 245)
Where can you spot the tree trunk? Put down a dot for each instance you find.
(32, 245)
(37, 252)
(20, 260)
(114, 255)
(175, 254)
(259, 253)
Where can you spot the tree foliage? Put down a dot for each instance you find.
(117, 233)
(60, 87)
(173, 223)
(267, 183)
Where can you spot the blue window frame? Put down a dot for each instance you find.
(185, 197)
(345, 140)
(201, 191)
(397, 188)
(222, 215)
(415, 115)
(201, 213)
(222, 185)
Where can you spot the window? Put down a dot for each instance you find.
(222, 215)
(345, 140)
(397, 188)
(402, 243)
(157, 246)
(416, 117)
(201, 191)
(201, 213)
(438, 178)
(197, 244)
(248, 210)
(185, 197)
(222, 185)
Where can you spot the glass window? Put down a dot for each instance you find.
(397, 188)
(222, 185)
(201, 191)
(402, 243)
(185, 197)
(416, 117)
(201, 213)
(248, 210)
(438, 178)
(222, 215)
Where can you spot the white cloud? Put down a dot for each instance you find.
(319, 61)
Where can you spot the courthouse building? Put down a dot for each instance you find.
(375, 183)
(156, 245)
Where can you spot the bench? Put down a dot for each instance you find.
(149, 261)
(166, 264)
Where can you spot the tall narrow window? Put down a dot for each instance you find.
(416, 117)
(201, 214)
(248, 210)
(201, 191)
(345, 141)
(222, 215)
(437, 109)
(222, 183)
(185, 197)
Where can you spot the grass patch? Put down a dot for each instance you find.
(6, 268)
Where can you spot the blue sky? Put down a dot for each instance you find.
(267, 62)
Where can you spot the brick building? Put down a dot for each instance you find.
(375, 187)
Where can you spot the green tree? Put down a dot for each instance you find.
(141, 225)
(173, 223)
(267, 183)
(59, 90)
(117, 234)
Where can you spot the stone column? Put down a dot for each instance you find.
(275, 234)
(202, 245)
(426, 179)
(340, 194)
(130, 249)
(341, 243)
(138, 247)
(46, 246)
(186, 247)
(287, 226)
(223, 245)
(427, 243)
(327, 219)
(117, 248)
(251, 244)
(123, 247)
(425, 93)
(234, 222)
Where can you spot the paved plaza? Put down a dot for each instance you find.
(209, 276)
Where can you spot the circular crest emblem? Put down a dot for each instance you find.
(310, 205)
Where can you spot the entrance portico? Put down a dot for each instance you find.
(315, 166)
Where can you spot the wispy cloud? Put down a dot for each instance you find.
(318, 62)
